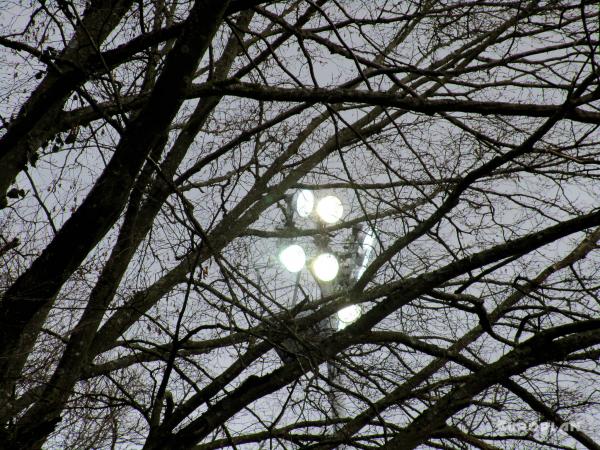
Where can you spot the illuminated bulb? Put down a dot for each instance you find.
(325, 267)
(293, 258)
(330, 209)
(348, 315)
(305, 202)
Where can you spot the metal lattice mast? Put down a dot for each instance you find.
(339, 273)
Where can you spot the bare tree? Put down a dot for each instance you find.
(149, 154)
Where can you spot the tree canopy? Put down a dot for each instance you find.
(151, 154)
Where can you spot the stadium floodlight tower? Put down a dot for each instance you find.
(333, 271)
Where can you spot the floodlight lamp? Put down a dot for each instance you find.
(348, 315)
(369, 240)
(367, 248)
(293, 258)
(325, 267)
(305, 202)
(330, 209)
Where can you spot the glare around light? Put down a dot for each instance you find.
(367, 248)
(348, 315)
(293, 258)
(330, 209)
(369, 241)
(305, 202)
(325, 267)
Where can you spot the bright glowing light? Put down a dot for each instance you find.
(367, 247)
(305, 202)
(369, 241)
(293, 258)
(348, 315)
(330, 209)
(325, 267)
